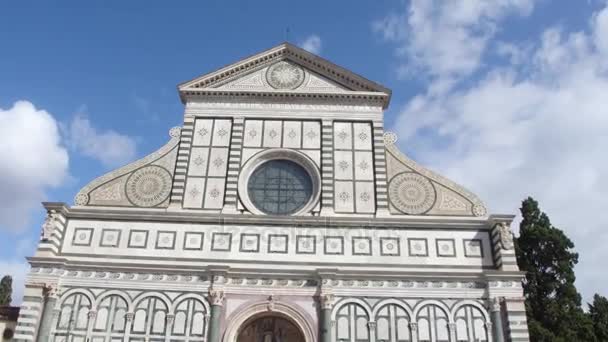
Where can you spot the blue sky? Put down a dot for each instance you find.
(503, 97)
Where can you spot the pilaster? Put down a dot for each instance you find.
(503, 246)
(181, 165)
(49, 302)
(327, 167)
(496, 312)
(380, 171)
(234, 165)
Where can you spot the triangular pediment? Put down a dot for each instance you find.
(285, 69)
(293, 77)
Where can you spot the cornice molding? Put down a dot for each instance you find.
(182, 216)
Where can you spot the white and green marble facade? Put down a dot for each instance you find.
(171, 247)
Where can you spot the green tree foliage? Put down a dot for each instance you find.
(553, 305)
(598, 311)
(6, 290)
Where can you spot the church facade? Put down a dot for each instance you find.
(280, 211)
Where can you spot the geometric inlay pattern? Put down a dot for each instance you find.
(445, 247)
(473, 248)
(418, 247)
(390, 246)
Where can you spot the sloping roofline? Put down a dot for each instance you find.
(348, 79)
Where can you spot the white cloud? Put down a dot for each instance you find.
(33, 160)
(312, 44)
(109, 147)
(536, 125)
(446, 39)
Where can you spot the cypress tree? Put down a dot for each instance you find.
(598, 312)
(6, 290)
(547, 256)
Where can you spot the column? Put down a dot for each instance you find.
(128, 323)
(327, 302)
(452, 331)
(414, 330)
(372, 331)
(92, 316)
(497, 321)
(216, 297)
(50, 299)
(169, 330)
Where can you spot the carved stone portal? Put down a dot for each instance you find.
(270, 329)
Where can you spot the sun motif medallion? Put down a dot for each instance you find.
(283, 75)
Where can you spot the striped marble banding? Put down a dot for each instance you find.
(181, 166)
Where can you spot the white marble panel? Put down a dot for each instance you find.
(314, 155)
(343, 137)
(364, 165)
(253, 133)
(365, 197)
(247, 153)
(292, 134)
(221, 132)
(362, 136)
(343, 197)
(311, 131)
(343, 165)
(193, 194)
(202, 132)
(198, 161)
(273, 130)
(218, 162)
(214, 196)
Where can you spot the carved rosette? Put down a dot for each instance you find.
(81, 199)
(479, 210)
(411, 193)
(506, 236)
(390, 138)
(175, 132)
(284, 75)
(217, 297)
(149, 186)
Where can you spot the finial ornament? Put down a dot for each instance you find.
(506, 236)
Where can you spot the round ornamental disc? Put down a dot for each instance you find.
(283, 75)
(411, 193)
(148, 186)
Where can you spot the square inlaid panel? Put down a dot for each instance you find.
(306, 244)
(82, 236)
(110, 238)
(445, 247)
(193, 241)
(221, 242)
(389, 246)
(334, 245)
(138, 239)
(473, 248)
(418, 247)
(277, 243)
(362, 246)
(250, 243)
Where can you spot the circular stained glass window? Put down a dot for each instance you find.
(280, 187)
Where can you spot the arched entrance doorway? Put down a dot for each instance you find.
(270, 328)
(284, 314)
